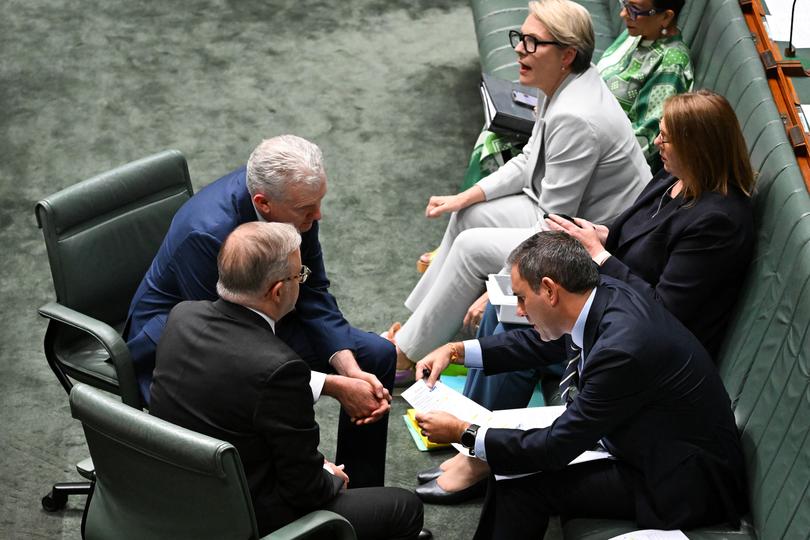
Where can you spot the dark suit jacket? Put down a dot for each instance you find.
(185, 268)
(222, 372)
(650, 392)
(691, 258)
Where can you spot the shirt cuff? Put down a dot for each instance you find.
(328, 469)
(473, 358)
(601, 257)
(480, 448)
(316, 382)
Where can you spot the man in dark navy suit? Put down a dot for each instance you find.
(284, 181)
(637, 382)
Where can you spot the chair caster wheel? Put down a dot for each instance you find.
(54, 502)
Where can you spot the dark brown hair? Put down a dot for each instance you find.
(706, 136)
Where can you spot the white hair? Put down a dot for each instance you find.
(281, 161)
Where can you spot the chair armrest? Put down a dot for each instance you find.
(319, 519)
(109, 338)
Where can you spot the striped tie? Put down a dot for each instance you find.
(570, 378)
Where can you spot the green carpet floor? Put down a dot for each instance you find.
(388, 89)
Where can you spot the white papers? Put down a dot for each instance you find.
(779, 21)
(804, 115)
(444, 398)
(499, 289)
(652, 534)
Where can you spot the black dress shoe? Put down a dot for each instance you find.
(432, 492)
(428, 475)
(425, 534)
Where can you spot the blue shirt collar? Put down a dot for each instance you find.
(578, 332)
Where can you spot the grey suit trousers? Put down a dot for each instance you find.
(476, 243)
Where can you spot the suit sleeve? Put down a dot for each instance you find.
(316, 307)
(571, 156)
(194, 264)
(509, 179)
(609, 396)
(284, 415)
(700, 260)
(519, 349)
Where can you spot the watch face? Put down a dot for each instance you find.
(468, 437)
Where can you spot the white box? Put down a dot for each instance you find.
(499, 289)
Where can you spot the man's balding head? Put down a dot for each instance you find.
(253, 257)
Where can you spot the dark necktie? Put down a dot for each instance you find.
(570, 380)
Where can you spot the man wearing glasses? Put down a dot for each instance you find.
(222, 371)
(284, 181)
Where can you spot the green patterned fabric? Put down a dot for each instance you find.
(642, 74)
(489, 153)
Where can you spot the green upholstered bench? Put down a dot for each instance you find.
(765, 362)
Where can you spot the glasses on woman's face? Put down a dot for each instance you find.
(530, 43)
(634, 13)
(301, 276)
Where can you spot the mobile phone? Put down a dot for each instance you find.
(564, 216)
(523, 99)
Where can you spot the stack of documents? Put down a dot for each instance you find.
(444, 398)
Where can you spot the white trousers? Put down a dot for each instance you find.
(476, 243)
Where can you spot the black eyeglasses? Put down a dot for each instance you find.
(634, 13)
(301, 276)
(530, 43)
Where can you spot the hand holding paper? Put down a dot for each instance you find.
(441, 427)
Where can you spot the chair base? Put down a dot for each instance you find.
(57, 499)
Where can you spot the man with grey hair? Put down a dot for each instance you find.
(637, 382)
(284, 181)
(221, 370)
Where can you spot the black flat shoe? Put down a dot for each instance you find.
(428, 475)
(431, 492)
(425, 534)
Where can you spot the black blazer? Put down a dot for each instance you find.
(692, 257)
(221, 371)
(650, 392)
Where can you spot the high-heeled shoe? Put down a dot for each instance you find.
(406, 376)
(424, 260)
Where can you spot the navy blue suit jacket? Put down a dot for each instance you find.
(185, 268)
(649, 392)
(692, 258)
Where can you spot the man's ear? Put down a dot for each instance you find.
(262, 204)
(273, 294)
(549, 291)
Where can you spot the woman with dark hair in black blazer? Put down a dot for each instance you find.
(688, 238)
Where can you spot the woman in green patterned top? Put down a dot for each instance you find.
(646, 64)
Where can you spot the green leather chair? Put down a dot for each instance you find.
(156, 480)
(101, 236)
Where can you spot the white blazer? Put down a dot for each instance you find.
(582, 158)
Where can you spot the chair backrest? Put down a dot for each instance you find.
(102, 234)
(157, 480)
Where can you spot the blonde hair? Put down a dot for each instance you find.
(706, 136)
(569, 24)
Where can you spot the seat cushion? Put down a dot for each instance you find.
(85, 360)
